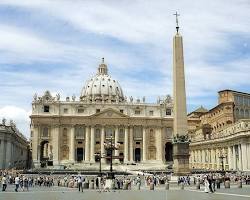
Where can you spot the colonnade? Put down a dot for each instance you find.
(128, 143)
(235, 157)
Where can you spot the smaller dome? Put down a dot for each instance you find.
(102, 87)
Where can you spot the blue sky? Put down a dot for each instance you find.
(57, 45)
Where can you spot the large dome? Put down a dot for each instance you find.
(102, 87)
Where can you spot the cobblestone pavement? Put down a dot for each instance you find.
(189, 193)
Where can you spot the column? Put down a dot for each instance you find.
(8, 154)
(203, 158)
(234, 158)
(34, 138)
(144, 144)
(56, 144)
(116, 143)
(158, 145)
(244, 156)
(2, 152)
(126, 145)
(131, 145)
(212, 158)
(103, 160)
(72, 145)
(240, 157)
(229, 157)
(218, 159)
(92, 145)
(87, 142)
(248, 154)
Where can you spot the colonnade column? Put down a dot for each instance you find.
(218, 159)
(92, 145)
(229, 157)
(248, 154)
(87, 138)
(103, 160)
(234, 158)
(240, 157)
(212, 159)
(131, 145)
(56, 144)
(35, 146)
(158, 144)
(144, 144)
(126, 145)
(244, 156)
(116, 142)
(72, 145)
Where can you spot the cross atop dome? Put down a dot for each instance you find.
(103, 69)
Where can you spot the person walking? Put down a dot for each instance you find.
(210, 184)
(206, 183)
(79, 184)
(26, 183)
(17, 182)
(4, 183)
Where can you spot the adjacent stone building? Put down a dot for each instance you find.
(14, 147)
(221, 134)
(70, 132)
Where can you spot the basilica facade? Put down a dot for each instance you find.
(73, 131)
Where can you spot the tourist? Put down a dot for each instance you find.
(17, 181)
(4, 183)
(79, 184)
(210, 183)
(206, 183)
(26, 183)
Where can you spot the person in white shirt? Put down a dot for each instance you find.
(79, 183)
(4, 183)
(17, 181)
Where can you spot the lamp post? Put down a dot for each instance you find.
(100, 164)
(110, 146)
(221, 157)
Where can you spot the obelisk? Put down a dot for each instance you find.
(180, 139)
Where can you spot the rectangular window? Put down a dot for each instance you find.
(98, 110)
(80, 110)
(121, 111)
(168, 111)
(137, 142)
(137, 112)
(151, 113)
(65, 110)
(45, 108)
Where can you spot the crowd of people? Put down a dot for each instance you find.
(23, 182)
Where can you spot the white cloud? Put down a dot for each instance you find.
(19, 115)
(147, 25)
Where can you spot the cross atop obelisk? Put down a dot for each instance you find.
(177, 22)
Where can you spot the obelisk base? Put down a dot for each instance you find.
(181, 158)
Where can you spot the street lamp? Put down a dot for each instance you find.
(221, 157)
(100, 160)
(110, 147)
